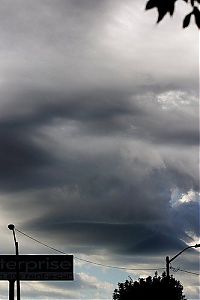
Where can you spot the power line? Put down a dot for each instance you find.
(39, 242)
(189, 272)
(85, 260)
(116, 267)
(178, 269)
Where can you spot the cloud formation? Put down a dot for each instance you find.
(99, 127)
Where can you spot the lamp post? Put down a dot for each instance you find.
(169, 260)
(12, 228)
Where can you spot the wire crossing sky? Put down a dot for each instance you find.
(99, 264)
(85, 260)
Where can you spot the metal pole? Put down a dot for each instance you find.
(167, 266)
(11, 289)
(168, 261)
(12, 228)
(18, 280)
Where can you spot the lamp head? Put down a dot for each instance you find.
(197, 246)
(11, 226)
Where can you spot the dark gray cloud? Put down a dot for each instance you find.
(27, 160)
(95, 153)
(132, 239)
(101, 158)
(20, 158)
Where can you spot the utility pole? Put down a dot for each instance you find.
(11, 286)
(167, 266)
(168, 260)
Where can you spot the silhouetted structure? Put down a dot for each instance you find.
(168, 6)
(157, 288)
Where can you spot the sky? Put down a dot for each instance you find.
(99, 139)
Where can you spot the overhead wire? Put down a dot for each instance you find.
(39, 242)
(85, 260)
(188, 272)
(178, 269)
(100, 264)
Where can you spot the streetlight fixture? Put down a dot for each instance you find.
(168, 260)
(12, 228)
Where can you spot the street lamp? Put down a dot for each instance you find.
(12, 228)
(168, 260)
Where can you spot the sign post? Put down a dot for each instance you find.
(11, 289)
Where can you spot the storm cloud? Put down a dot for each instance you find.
(99, 128)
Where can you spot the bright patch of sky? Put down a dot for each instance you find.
(178, 198)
